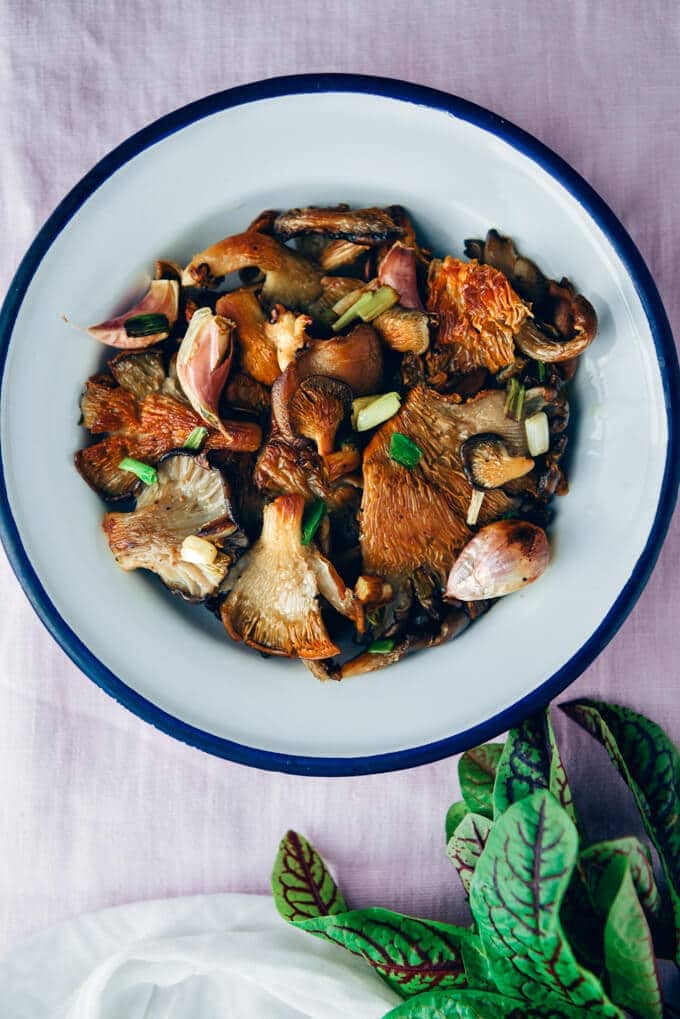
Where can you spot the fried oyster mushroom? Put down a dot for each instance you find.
(273, 592)
(360, 226)
(190, 499)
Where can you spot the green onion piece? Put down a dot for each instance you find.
(147, 325)
(537, 428)
(145, 472)
(380, 647)
(514, 400)
(377, 410)
(196, 438)
(540, 371)
(404, 451)
(371, 304)
(313, 516)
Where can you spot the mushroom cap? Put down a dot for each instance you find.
(489, 464)
(404, 329)
(257, 354)
(370, 226)
(317, 409)
(355, 359)
(189, 498)
(273, 592)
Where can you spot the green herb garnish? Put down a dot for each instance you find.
(404, 451)
(540, 371)
(145, 472)
(196, 438)
(313, 515)
(380, 647)
(367, 307)
(559, 928)
(514, 400)
(147, 325)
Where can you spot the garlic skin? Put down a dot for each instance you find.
(501, 558)
(162, 298)
(203, 362)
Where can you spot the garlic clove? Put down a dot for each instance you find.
(158, 310)
(501, 558)
(203, 362)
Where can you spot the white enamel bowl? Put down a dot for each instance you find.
(202, 173)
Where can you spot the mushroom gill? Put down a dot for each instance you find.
(273, 592)
(189, 499)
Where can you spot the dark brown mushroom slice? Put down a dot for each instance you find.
(453, 624)
(341, 253)
(489, 464)
(139, 373)
(244, 393)
(273, 592)
(168, 270)
(264, 222)
(371, 226)
(285, 468)
(318, 408)
(189, 499)
(355, 358)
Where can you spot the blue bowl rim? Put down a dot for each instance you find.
(665, 351)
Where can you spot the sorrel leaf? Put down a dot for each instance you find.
(466, 1004)
(412, 955)
(476, 964)
(596, 859)
(301, 883)
(515, 897)
(628, 947)
(650, 765)
(477, 774)
(454, 815)
(466, 845)
(531, 761)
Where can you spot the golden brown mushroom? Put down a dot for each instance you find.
(361, 226)
(318, 408)
(257, 353)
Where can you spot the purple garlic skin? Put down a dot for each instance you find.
(500, 559)
(162, 298)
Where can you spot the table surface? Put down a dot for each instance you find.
(96, 807)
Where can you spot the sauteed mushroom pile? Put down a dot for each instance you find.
(334, 439)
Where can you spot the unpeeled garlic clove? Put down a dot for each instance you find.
(203, 362)
(162, 298)
(501, 558)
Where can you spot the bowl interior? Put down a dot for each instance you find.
(208, 180)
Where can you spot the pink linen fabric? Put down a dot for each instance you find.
(97, 808)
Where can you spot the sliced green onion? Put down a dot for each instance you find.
(375, 411)
(371, 304)
(404, 451)
(514, 400)
(145, 472)
(540, 371)
(313, 516)
(476, 500)
(147, 325)
(196, 438)
(537, 428)
(341, 306)
(380, 647)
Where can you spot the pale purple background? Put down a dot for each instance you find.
(96, 807)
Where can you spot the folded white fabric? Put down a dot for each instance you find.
(199, 957)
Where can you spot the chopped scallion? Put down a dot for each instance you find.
(476, 500)
(514, 400)
(380, 647)
(537, 428)
(367, 307)
(145, 472)
(196, 438)
(404, 451)
(311, 520)
(376, 410)
(147, 325)
(540, 371)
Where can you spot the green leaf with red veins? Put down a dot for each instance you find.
(650, 765)
(466, 845)
(477, 774)
(411, 955)
(628, 948)
(476, 963)
(454, 815)
(595, 860)
(301, 883)
(531, 761)
(467, 1004)
(516, 894)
